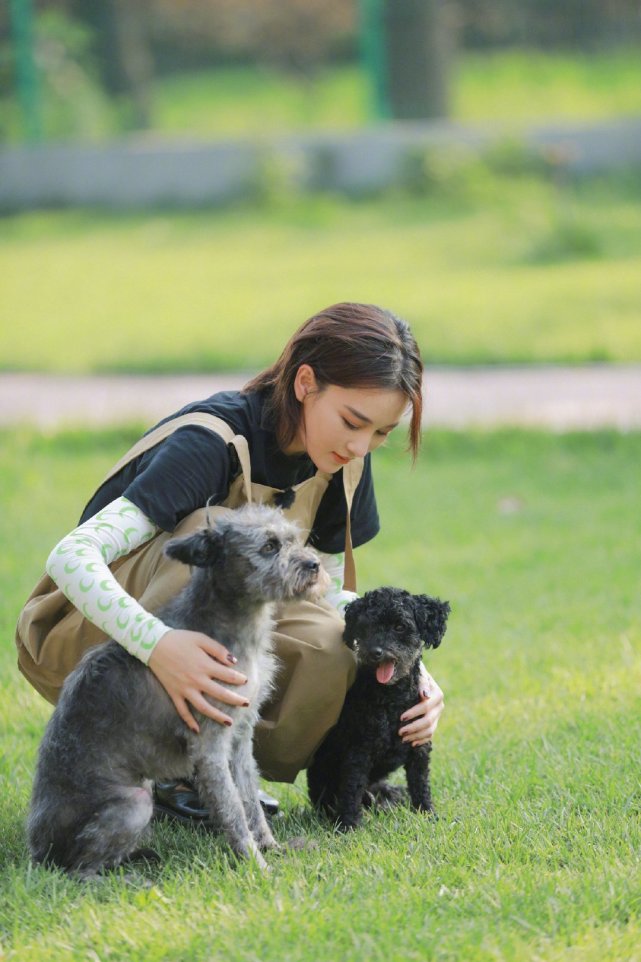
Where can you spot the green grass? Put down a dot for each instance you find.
(522, 85)
(534, 539)
(513, 86)
(486, 268)
(237, 101)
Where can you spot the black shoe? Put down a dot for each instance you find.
(179, 801)
(271, 806)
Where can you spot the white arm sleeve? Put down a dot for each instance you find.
(336, 595)
(79, 566)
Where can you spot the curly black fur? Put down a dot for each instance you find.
(385, 627)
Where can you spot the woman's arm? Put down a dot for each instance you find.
(79, 566)
(187, 663)
(337, 596)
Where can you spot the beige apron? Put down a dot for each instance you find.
(316, 667)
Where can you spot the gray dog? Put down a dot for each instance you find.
(115, 727)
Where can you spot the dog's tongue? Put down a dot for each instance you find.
(384, 672)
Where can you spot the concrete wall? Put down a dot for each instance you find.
(145, 172)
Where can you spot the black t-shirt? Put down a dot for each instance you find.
(194, 465)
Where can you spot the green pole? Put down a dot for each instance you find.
(372, 37)
(26, 74)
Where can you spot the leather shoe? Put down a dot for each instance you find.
(271, 806)
(179, 801)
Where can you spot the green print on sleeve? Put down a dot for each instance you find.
(81, 561)
(336, 595)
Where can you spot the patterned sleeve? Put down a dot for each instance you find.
(79, 566)
(337, 596)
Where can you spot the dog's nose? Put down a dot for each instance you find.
(377, 652)
(312, 565)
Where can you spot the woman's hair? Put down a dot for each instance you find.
(351, 346)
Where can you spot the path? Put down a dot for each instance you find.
(559, 398)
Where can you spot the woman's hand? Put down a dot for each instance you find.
(424, 716)
(190, 665)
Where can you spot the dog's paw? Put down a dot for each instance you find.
(269, 845)
(144, 854)
(383, 796)
(255, 857)
(300, 844)
(347, 823)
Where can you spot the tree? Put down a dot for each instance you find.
(123, 50)
(419, 47)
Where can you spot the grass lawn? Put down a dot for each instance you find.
(532, 85)
(534, 539)
(512, 85)
(486, 268)
(507, 85)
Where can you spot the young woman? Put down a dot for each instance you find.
(300, 434)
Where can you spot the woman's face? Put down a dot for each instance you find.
(338, 424)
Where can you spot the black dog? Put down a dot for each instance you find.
(386, 629)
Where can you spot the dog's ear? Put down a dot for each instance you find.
(201, 550)
(430, 615)
(351, 615)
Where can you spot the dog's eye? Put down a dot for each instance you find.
(270, 547)
(399, 628)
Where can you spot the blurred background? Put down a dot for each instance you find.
(93, 69)
(190, 179)
(182, 184)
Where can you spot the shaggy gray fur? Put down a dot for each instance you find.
(115, 727)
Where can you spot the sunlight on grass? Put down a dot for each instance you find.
(536, 852)
(533, 85)
(237, 101)
(514, 86)
(505, 85)
(524, 273)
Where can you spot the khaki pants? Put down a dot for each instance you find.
(316, 669)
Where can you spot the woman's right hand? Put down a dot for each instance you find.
(190, 665)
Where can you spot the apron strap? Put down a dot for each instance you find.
(197, 419)
(352, 474)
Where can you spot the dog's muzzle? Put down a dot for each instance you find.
(307, 577)
(384, 666)
(319, 580)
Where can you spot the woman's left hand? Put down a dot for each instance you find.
(424, 716)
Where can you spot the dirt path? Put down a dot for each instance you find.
(559, 398)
